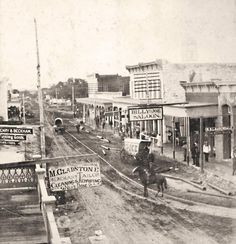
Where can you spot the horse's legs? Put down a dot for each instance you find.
(158, 190)
(145, 191)
(162, 189)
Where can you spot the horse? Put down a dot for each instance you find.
(147, 179)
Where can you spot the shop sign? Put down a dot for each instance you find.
(71, 177)
(141, 113)
(13, 137)
(16, 130)
(9, 142)
(218, 130)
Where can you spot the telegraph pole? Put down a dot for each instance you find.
(73, 99)
(40, 100)
(23, 106)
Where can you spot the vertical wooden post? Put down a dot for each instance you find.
(201, 144)
(84, 112)
(173, 136)
(188, 138)
(162, 132)
(40, 98)
(73, 99)
(23, 106)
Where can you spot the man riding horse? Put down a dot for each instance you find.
(151, 171)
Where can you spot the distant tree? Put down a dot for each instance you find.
(64, 89)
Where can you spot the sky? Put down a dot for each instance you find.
(80, 37)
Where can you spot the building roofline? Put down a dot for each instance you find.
(190, 84)
(139, 65)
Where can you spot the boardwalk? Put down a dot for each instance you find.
(21, 218)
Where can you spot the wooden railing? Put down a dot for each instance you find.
(46, 203)
(15, 175)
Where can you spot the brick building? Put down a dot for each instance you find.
(108, 83)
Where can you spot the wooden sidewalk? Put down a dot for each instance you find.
(21, 218)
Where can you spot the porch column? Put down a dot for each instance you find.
(141, 126)
(173, 136)
(159, 130)
(187, 126)
(201, 144)
(233, 117)
(84, 111)
(154, 126)
(146, 125)
(219, 137)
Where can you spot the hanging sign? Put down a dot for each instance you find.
(16, 130)
(9, 142)
(218, 130)
(71, 177)
(13, 137)
(148, 113)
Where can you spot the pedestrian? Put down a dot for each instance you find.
(103, 124)
(110, 123)
(184, 147)
(78, 127)
(158, 140)
(169, 135)
(234, 160)
(137, 132)
(195, 154)
(206, 150)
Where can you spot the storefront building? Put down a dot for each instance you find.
(214, 104)
(187, 92)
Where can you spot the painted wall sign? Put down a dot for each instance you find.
(9, 142)
(71, 177)
(13, 137)
(218, 130)
(16, 130)
(137, 114)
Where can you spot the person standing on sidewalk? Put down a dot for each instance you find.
(206, 150)
(234, 159)
(195, 154)
(184, 147)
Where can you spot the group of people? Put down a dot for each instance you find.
(195, 152)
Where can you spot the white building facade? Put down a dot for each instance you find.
(3, 100)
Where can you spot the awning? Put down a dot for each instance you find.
(192, 110)
(94, 101)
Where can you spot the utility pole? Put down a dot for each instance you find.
(40, 100)
(23, 106)
(57, 97)
(73, 99)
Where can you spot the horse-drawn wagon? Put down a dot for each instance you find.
(59, 126)
(132, 148)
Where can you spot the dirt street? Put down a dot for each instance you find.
(126, 219)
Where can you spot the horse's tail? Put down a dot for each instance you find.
(165, 182)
